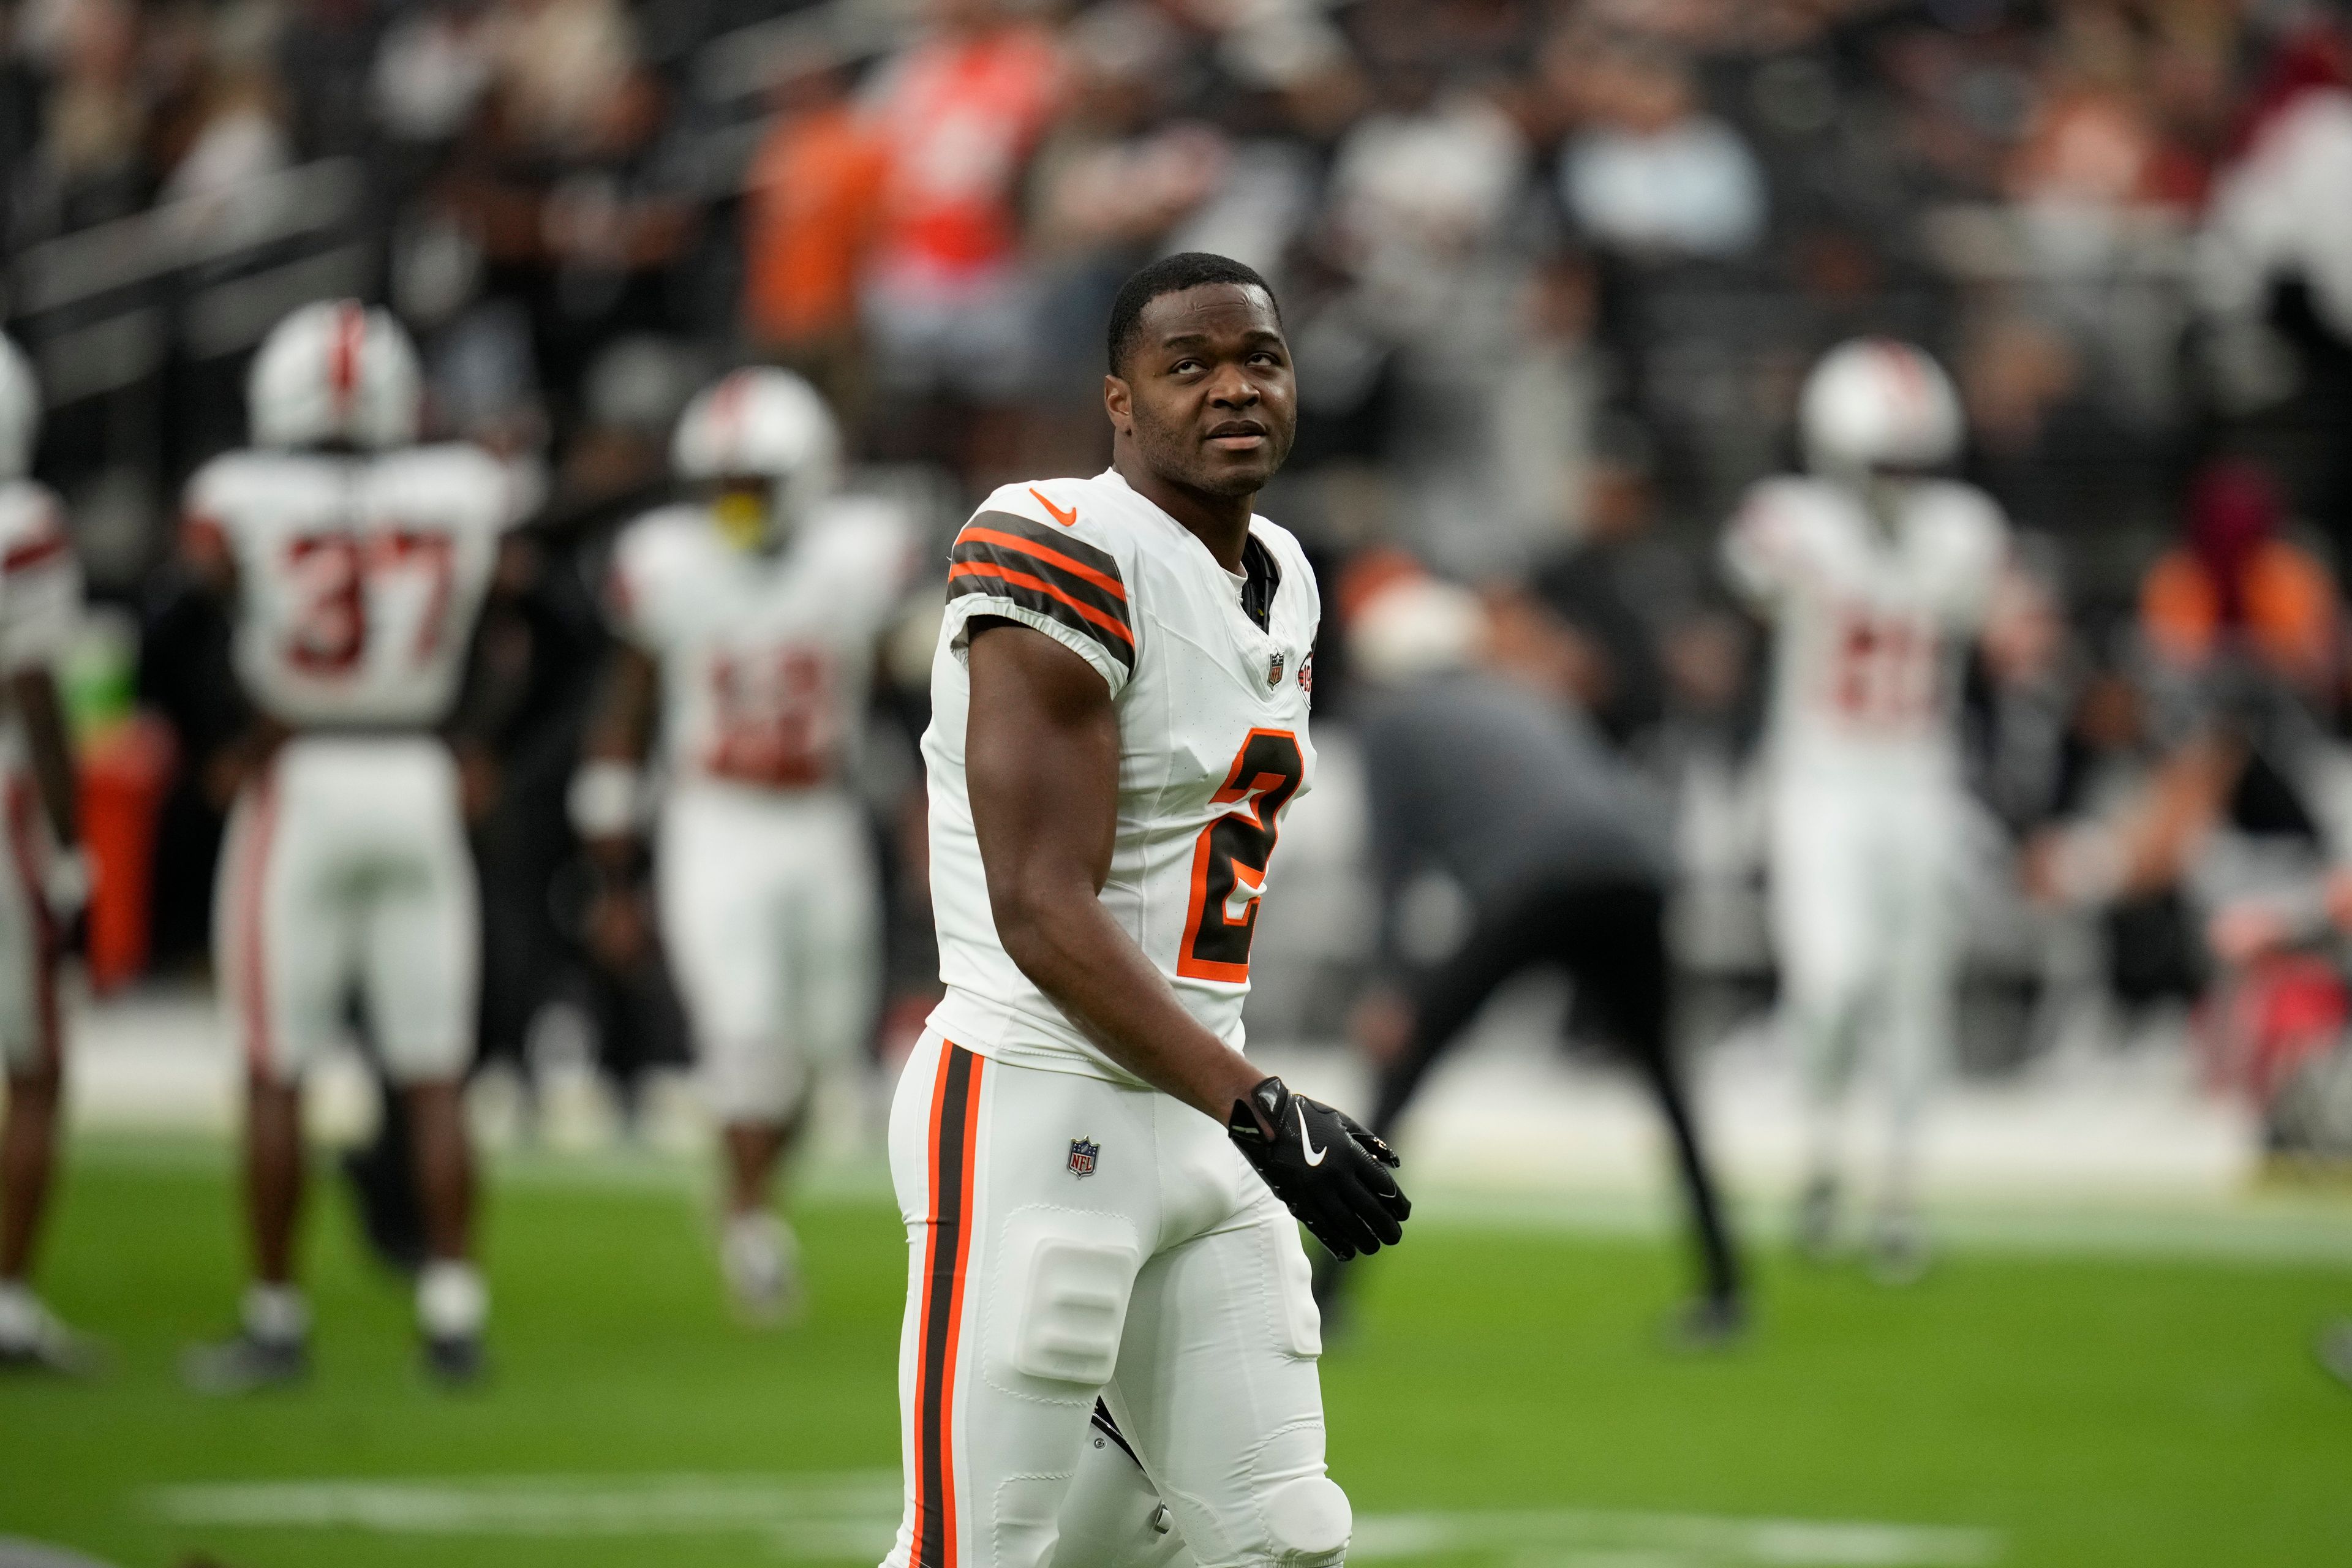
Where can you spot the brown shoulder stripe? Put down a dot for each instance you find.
(1007, 556)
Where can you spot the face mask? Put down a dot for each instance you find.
(742, 518)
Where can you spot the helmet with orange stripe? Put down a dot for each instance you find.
(1877, 405)
(335, 373)
(765, 446)
(20, 412)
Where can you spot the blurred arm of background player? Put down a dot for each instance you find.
(204, 552)
(496, 680)
(607, 802)
(1043, 773)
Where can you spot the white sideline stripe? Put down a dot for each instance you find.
(833, 1517)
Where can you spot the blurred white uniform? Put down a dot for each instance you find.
(1072, 1232)
(1869, 623)
(766, 883)
(359, 582)
(41, 598)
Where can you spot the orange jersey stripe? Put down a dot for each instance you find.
(1038, 585)
(1103, 580)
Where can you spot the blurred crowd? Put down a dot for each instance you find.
(1553, 271)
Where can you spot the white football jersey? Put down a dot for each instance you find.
(359, 579)
(767, 661)
(1869, 622)
(1212, 746)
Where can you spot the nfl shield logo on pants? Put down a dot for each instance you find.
(1082, 1156)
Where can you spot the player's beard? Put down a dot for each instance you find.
(1179, 454)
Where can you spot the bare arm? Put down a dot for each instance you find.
(1040, 759)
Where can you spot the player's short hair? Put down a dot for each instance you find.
(1173, 275)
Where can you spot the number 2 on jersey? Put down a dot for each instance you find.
(332, 574)
(1230, 858)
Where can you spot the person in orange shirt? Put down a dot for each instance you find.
(2233, 586)
(959, 114)
(811, 198)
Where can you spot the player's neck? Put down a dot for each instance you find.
(1219, 522)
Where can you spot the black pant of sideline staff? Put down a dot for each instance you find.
(1609, 937)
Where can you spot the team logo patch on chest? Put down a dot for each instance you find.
(1083, 1151)
(1274, 669)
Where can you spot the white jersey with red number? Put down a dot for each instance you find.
(767, 660)
(1214, 746)
(40, 599)
(359, 579)
(1869, 622)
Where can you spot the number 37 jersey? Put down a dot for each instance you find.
(359, 579)
(1209, 679)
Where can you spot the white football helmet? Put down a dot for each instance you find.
(1875, 403)
(20, 412)
(335, 371)
(764, 423)
(1416, 627)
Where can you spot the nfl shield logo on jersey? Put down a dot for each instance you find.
(1274, 670)
(1082, 1156)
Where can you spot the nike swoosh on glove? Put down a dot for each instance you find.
(1327, 1170)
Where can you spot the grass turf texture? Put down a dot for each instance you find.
(2086, 1412)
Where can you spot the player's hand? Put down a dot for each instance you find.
(619, 929)
(67, 884)
(1325, 1169)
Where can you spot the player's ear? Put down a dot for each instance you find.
(1118, 402)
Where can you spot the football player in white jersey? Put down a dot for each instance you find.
(357, 566)
(1876, 576)
(749, 621)
(1098, 1188)
(42, 883)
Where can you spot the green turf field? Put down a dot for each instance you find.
(1501, 1402)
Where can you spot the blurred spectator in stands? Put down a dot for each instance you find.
(1549, 394)
(2090, 144)
(2234, 592)
(1424, 190)
(431, 70)
(1117, 173)
(93, 118)
(808, 217)
(240, 136)
(1621, 590)
(1649, 171)
(2276, 270)
(560, 182)
(961, 112)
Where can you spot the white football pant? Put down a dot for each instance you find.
(1864, 900)
(1070, 1238)
(346, 870)
(770, 918)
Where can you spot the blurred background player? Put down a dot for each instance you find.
(1876, 577)
(1563, 852)
(358, 565)
(42, 885)
(749, 620)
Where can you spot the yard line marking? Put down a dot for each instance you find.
(836, 1517)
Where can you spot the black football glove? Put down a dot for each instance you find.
(1330, 1172)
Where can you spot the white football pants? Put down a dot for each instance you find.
(1070, 1238)
(770, 921)
(346, 867)
(1864, 901)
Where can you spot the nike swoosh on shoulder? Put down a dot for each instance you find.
(1067, 518)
